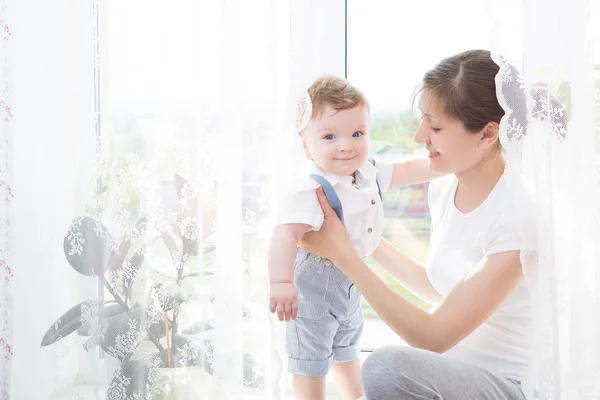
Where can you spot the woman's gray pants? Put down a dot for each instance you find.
(407, 373)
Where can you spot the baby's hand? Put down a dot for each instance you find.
(284, 300)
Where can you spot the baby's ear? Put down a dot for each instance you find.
(306, 151)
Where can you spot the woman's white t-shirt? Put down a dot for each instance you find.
(459, 242)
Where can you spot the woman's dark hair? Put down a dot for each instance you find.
(464, 88)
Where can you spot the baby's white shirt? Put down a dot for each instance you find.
(362, 207)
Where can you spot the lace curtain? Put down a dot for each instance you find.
(549, 83)
(6, 196)
(146, 141)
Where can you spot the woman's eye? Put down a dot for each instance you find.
(436, 129)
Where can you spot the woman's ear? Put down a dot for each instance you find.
(490, 135)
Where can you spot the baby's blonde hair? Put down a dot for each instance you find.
(336, 92)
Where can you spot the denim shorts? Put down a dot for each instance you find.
(330, 318)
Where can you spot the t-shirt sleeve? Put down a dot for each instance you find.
(384, 174)
(297, 203)
(504, 236)
(516, 227)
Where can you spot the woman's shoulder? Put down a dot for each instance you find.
(441, 187)
(517, 194)
(515, 209)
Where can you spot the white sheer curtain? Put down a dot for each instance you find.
(146, 138)
(549, 83)
(51, 74)
(6, 196)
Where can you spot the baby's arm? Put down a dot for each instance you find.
(412, 172)
(282, 253)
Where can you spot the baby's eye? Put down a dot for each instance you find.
(357, 134)
(328, 137)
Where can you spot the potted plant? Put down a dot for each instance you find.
(137, 320)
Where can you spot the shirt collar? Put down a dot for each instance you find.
(366, 171)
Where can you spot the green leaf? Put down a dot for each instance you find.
(563, 96)
(169, 242)
(169, 295)
(87, 246)
(186, 351)
(136, 262)
(136, 379)
(199, 327)
(208, 247)
(100, 186)
(108, 311)
(71, 320)
(116, 261)
(127, 330)
(141, 224)
(190, 246)
(254, 375)
(200, 272)
(209, 353)
(182, 188)
(187, 228)
(186, 223)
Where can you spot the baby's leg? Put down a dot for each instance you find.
(307, 388)
(310, 337)
(309, 345)
(348, 378)
(346, 348)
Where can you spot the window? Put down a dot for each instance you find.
(390, 45)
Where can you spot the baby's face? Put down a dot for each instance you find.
(338, 142)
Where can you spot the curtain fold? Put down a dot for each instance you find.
(6, 197)
(549, 85)
(149, 144)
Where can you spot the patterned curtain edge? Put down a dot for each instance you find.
(6, 271)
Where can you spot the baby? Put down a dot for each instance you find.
(321, 304)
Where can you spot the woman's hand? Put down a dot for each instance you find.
(331, 241)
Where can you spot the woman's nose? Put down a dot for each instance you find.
(421, 135)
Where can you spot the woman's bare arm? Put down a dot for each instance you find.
(411, 172)
(409, 272)
(469, 304)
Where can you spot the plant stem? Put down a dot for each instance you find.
(152, 338)
(174, 325)
(114, 294)
(175, 313)
(100, 294)
(169, 364)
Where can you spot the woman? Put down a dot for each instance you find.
(475, 344)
